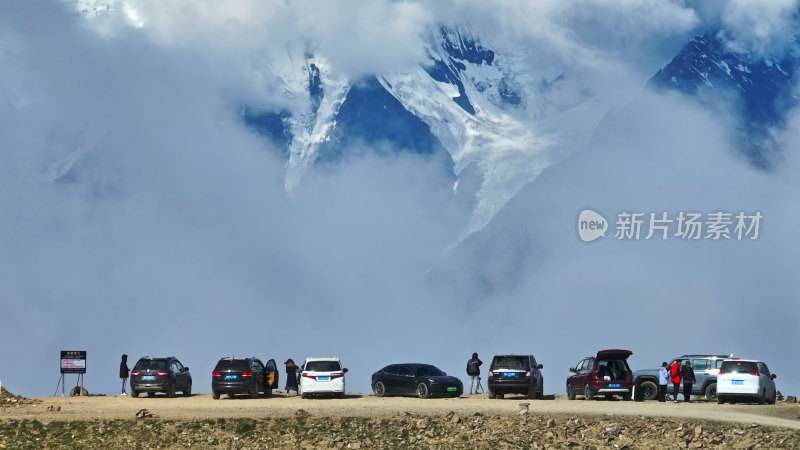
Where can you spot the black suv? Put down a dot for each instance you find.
(233, 376)
(515, 374)
(166, 375)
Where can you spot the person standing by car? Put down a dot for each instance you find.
(474, 372)
(291, 377)
(123, 372)
(675, 373)
(687, 374)
(663, 381)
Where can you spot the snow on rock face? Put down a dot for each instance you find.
(482, 106)
(757, 88)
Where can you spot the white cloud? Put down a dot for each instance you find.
(761, 27)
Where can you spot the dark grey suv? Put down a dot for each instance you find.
(233, 376)
(706, 367)
(515, 374)
(166, 375)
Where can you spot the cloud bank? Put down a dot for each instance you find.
(140, 216)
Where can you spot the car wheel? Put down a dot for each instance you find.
(532, 392)
(720, 400)
(711, 391)
(134, 393)
(230, 394)
(254, 391)
(587, 393)
(379, 389)
(303, 395)
(492, 395)
(423, 391)
(762, 398)
(649, 390)
(268, 392)
(627, 396)
(215, 395)
(540, 392)
(151, 394)
(171, 390)
(772, 399)
(501, 395)
(188, 391)
(570, 393)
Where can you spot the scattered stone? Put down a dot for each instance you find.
(791, 399)
(53, 408)
(778, 396)
(301, 413)
(145, 414)
(551, 423)
(455, 419)
(524, 408)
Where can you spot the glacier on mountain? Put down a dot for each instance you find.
(484, 107)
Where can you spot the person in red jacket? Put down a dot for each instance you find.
(675, 373)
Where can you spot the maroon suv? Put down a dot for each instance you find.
(607, 374)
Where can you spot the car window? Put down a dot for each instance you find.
(510, 362)
(700, 364)
(739, 367)
(718, 363)
(391, 370)
(581, 366)
(178, 365)
(404, 371)
(231, 364)
(323, 366)
(765, 370)
(145, 364)
(257, 367)
(429, 371)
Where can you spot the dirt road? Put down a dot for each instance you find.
(369, 422)
(204, 407)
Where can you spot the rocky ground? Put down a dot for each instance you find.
(369, 422)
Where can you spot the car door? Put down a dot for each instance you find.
(766, 380)
(271, 369)
(175, 374)
(576, 380)
(258, 371)
(406, 380)
(702, 369)
(390, 377)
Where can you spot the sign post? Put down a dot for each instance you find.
(72, 361)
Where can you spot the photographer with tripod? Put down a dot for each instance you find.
(474, 372)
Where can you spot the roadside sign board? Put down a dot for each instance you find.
(73, 361)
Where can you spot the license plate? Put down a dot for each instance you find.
(230, 377)
(452, 389)
(613, 385)
(148, 377)
(737, 382)
(323, 378)
(509, 374)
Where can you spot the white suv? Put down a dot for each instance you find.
(745, 378)
(322, 376)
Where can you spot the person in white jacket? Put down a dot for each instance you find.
(663, 381)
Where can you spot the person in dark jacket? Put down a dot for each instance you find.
(291, 376)
(687, 374)
(123, 372)
(675, 374)
(474, 372)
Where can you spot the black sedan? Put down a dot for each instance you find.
(422, 380)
